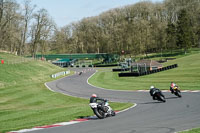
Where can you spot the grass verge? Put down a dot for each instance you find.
(187, 76)
(196, 130)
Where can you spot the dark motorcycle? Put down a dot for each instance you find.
(102, 110)
(80, 73)
(158, 95)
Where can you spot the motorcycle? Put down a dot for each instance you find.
(177, 91)
(102, 110)
(159, 96)
(80, 73)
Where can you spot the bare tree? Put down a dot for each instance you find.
(40, 30)
(27, 16)
(9, 22)
(1, 10)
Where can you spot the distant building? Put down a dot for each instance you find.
(145, 65)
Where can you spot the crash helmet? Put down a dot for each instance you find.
(94, 95)
(151, 87)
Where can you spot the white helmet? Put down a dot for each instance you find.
(152, 87)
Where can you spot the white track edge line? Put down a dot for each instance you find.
(104, 88)
(132, 90)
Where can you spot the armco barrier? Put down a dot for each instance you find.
(136, 74)
(59, 74)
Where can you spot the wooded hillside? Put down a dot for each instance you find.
(135, 29)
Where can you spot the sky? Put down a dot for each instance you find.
(65, 12)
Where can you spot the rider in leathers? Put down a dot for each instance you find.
(152, 90)
(95, 99)
(172, 87)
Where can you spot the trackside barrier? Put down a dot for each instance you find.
(106, 65)
(120, 69)
(59, 74)
(136, 74)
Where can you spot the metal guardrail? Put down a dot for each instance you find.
(60, 74)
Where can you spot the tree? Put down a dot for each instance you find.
(40, 31)
(137, 29)
(184, 31)
(1, 10)
(171, 36)
(9, 25)
(27, 16)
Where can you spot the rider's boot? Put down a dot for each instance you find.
(172, 90)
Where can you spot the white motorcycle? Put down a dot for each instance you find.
(102, 110)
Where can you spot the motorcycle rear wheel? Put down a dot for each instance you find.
(161, 98)
(178, 93)
(99, 113)
(113, 113)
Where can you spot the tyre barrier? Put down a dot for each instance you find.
(90, 65)
(82, 66)
(102, 65)
(120, 69)
(136, 74)
(129, 74)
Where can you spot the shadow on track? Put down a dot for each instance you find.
(88, 117)
(151, 102)
(155, 102)
(171, 97)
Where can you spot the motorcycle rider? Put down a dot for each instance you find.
(152, 90)
(172, 87)
(94, 99)
(104, 106)
(80, 72)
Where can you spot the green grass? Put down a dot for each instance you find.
(187, 76)
(11, 59)
(197, 130)
(179, 53)
(25, 102)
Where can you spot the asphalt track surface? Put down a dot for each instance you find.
(148, 116)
